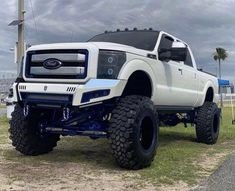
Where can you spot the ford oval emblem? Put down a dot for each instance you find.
(52, 64)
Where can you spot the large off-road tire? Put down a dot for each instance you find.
(26, 136)
(208, 123)
(133, 132)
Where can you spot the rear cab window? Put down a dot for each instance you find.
(165, 43)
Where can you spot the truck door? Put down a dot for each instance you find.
(169, 76)
(189, 83)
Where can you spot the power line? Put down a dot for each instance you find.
(35, 24)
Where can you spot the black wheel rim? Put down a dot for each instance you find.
(215, 124)
(147, 133)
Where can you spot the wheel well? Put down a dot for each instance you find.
(138, 83)
(209, 95)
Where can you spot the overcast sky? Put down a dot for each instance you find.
(203, 24)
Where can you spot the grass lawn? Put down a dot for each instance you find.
(2, 106)
(179, 157)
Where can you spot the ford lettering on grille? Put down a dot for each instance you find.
(52, 64)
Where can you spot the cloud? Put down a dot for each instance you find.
(203, 24)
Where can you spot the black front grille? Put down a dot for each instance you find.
(74, 64)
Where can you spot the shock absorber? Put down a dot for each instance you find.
(26, 110)
(66, 114)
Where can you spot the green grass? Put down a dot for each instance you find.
(3, 130)
(177, 156)
(178, 153)
(2, 106)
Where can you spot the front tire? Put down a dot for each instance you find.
(26, 136)
(208, 123)
(134, 132)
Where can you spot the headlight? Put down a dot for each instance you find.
(110, 63)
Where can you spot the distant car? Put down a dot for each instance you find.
(119, 85)
(10, 103)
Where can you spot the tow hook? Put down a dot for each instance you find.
(26, 110)
(66, 114)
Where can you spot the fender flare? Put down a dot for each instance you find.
(138, 65)
(208, 85)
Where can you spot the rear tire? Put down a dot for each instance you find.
(134, 132)
(26, 136)
(208, 123)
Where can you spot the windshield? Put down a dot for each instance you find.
(145, 40)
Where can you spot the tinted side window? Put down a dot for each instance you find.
(188, 60)
(166, 43)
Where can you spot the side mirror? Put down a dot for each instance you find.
(164, 55)
(178, 52)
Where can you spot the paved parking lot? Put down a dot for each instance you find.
(222, 179)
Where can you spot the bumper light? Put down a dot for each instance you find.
(86, 97)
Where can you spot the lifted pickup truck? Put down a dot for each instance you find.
(119, 85)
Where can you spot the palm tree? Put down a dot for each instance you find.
(220, 54)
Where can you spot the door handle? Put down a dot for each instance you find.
(180, 70)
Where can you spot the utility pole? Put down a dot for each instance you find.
(20, 45)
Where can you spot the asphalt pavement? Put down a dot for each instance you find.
(222, 179)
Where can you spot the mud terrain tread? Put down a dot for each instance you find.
(121, 131)
(25, 136)
(204, 124)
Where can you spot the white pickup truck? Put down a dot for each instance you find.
(120, 85)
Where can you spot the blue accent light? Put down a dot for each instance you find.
(87, 96)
